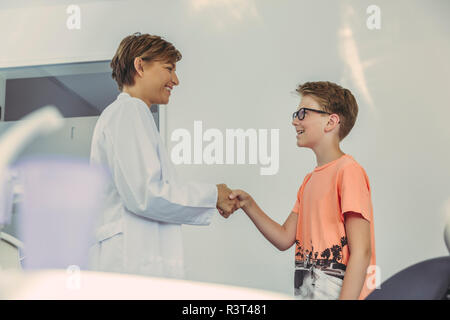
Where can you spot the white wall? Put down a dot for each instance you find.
(242, 59)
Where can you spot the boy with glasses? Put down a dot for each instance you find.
(331, 223)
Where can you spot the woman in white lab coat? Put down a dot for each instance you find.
(139, 231)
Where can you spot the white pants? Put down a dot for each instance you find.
(318, 286)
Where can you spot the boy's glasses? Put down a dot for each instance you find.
(300, 114)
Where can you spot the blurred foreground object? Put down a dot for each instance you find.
(9, 252)
(61, 201)
(427, 280)
(63, 285)
(40, 122)
(447, 234)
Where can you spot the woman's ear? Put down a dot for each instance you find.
(138, 66)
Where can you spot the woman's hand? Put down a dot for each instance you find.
(225, 205)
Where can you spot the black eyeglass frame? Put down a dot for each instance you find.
(296, 114)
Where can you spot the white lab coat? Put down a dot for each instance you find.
(145, 204)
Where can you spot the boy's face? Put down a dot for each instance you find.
(310, 130)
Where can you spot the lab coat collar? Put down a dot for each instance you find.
(123, 95)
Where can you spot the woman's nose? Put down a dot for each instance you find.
(175, 79)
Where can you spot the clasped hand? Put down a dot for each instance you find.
(225, 204)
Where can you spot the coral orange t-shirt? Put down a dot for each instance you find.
(325, 195)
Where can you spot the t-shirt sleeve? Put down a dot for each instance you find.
(354, 191)
(296, 208)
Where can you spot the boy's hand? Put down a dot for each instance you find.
(245, 200)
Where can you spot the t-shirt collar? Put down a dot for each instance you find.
(326, 165)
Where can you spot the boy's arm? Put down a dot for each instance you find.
(358, 239)
(281, 236)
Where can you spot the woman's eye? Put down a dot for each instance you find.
(170, 69)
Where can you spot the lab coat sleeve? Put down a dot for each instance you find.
(143, 182)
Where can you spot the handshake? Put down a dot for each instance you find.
(228, 201)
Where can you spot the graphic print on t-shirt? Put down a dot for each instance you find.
(327, 261)
(317, 264)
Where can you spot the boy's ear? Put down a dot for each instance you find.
(333, 122)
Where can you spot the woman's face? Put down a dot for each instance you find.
(157, 80)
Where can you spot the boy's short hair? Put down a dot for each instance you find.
(334, 99)
(149, 47)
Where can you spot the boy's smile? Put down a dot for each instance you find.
(310, 128)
